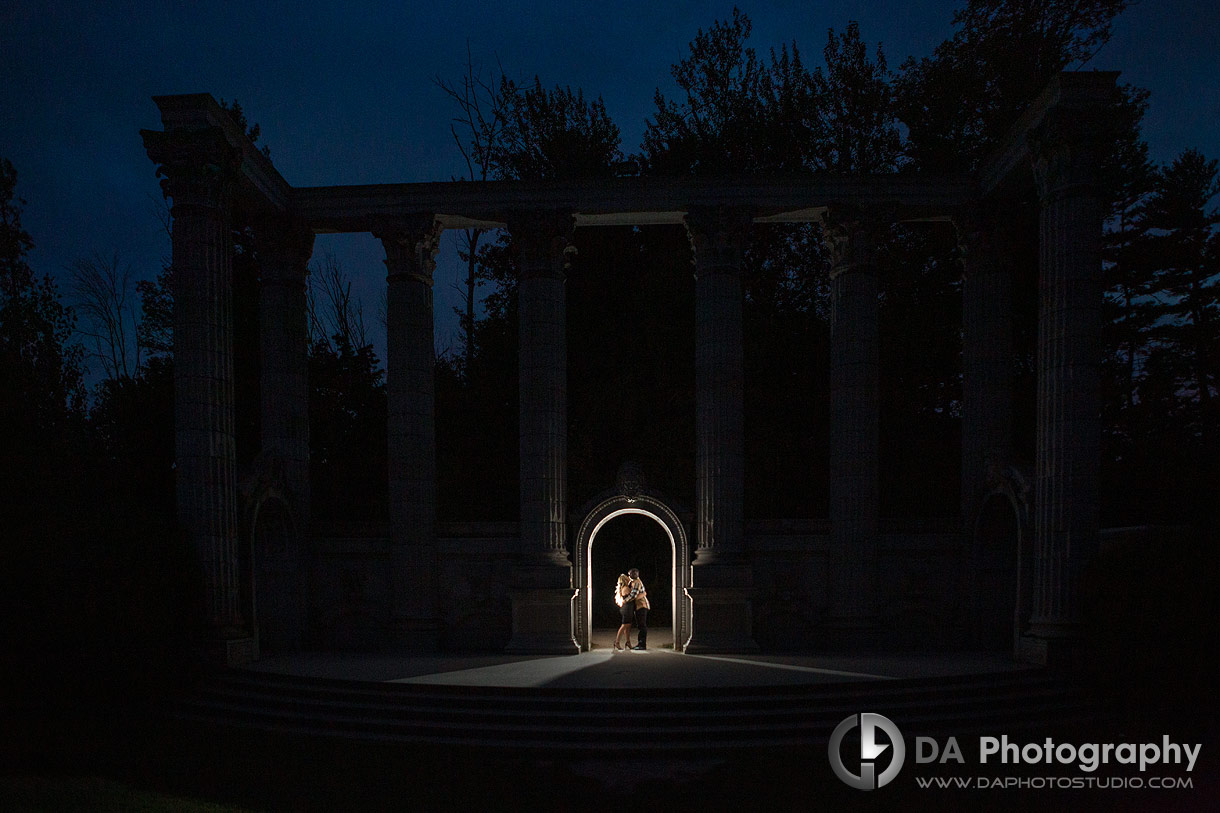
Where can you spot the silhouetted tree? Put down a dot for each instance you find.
(1129, 314)
(717, 121)
(553, 134)
(103, 291)
(1180, 221)
(35, 326)
(252, 131)
(156, 329)
(41, 390)
(859, 131)
(960, 101)
(347, 402)
(477, 129)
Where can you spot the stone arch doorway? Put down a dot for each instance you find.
(1002, 573)
(595, 520)
(277, 576)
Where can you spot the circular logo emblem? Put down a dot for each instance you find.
(870, 749)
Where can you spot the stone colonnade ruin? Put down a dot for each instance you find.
(216, 178)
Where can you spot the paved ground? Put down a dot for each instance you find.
(658, 667)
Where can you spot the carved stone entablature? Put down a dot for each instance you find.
(629, 481)
(1066, 148)
(542, 242)
(283, 247)
(852, 236)
(410, 247)
(196, 167)
(718, 238)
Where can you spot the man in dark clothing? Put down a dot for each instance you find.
(640, 596)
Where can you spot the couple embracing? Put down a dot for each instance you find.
(632, 599)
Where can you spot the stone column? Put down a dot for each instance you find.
(544, 590)
(410, 249)
(282, 564)
(284, 249)
(199, 169)
(854, 414)
(722, 577)
(1068, 453)
(987, 361)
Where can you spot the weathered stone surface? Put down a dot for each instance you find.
(626, 201)
(853, 420)
(542, 611)
(410, 248)
(722, 616)
(199, 171)
(283, 250)
(1068, 444)
(718, 240)
(987, 358)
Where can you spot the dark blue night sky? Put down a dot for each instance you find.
(344, 93)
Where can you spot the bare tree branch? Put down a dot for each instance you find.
(336, 318)
(102, 292)
(479, 130)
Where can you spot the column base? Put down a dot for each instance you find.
(231, 651)
(721, 621)
(542, 622)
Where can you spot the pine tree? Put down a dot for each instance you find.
(1180, 219)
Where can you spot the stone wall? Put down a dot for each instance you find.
(350, 588)
(918, 578)
(920, 594)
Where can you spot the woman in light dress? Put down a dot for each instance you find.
(627, 610)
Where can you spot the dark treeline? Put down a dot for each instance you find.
(630, 292)
(86, 488)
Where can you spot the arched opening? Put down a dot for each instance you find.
(277, 575)
(625, 541)
(618, 534)
(998, 581)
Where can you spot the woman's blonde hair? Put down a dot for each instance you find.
(619, 592)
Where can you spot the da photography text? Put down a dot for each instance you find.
(867, 751)
(1087, 756)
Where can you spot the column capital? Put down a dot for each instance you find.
(196, 167)
(718, 236)
(410, 247)
(542, 242)
(1065, 149)
(852, 235)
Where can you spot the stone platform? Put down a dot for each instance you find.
(388, 731)
(657, 668)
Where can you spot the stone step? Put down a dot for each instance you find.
(591, 722)
(627, 713)
(499, 696)
(710, 735)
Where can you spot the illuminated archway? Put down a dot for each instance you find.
(663, 515)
